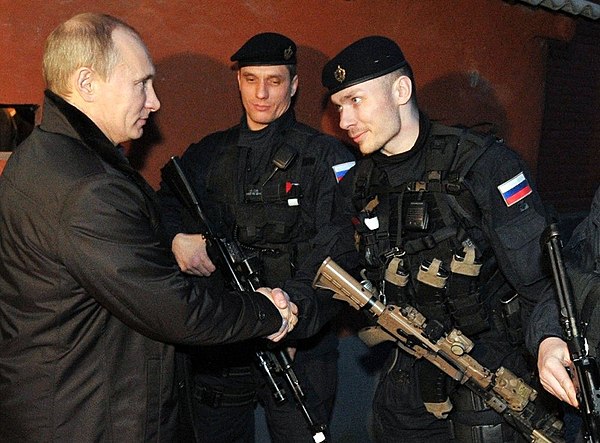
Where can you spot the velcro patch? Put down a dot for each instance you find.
(341, 169)
(515, 189)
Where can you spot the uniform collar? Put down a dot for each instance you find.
(424, 127)
(266, 135)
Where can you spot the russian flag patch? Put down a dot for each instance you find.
(515, 189)
(341, 169)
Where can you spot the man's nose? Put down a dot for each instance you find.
(346, 119)
(152, 101)
(261, 90)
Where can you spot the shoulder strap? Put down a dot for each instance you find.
(362, 180)
(442, 151)
(471, 147)
(298, 139)
(453, 152)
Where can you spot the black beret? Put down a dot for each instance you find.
(363, 60)
(266, 49)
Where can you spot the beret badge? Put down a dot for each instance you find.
(288, 53)
(365, 59)
(340, 74)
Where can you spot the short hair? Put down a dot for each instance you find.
(403, 71)
(293, 70)
(84, 40)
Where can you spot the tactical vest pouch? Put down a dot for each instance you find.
(472, 421)
(259, 224)
(433, 389)
(395, 273)
(431, 291)
(511, 318)
(396, 277)
(433, 274)
(416, 217)
(463, 293)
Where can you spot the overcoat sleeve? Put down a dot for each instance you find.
(108, 240)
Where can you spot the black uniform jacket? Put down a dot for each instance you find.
(89, 297)
(316, 219)
(512, 229)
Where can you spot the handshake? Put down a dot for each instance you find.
(191, 254)
(287, 309)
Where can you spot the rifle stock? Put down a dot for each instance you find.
(502, 390)
(242, 272)
(587, 379)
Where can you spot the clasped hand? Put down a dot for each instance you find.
(287, 309)
(190, 252)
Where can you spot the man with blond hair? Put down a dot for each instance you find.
(449, 222)
(91, 299)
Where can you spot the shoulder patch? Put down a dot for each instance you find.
(515, 189)
(341, 168)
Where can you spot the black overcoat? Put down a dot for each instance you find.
(90, 298)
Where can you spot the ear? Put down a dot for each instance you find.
(403, 89)
(294, 85)
(85, 83)
(239, 78)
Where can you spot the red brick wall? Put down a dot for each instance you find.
(474, 60)
(569, 159)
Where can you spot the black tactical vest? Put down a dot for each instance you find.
(265, 216)
(419, 240)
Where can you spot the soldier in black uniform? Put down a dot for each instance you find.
(449, 222)
(582, 257)
(269, 183)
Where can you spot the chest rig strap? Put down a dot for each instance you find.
(266, 217)
(439, 181)
(451, 152)
(371, 200)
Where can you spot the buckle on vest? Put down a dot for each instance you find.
(382, 235)
(417, 186)
(394, 252)
(429, 241)
(369, 238)
(453, 188)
